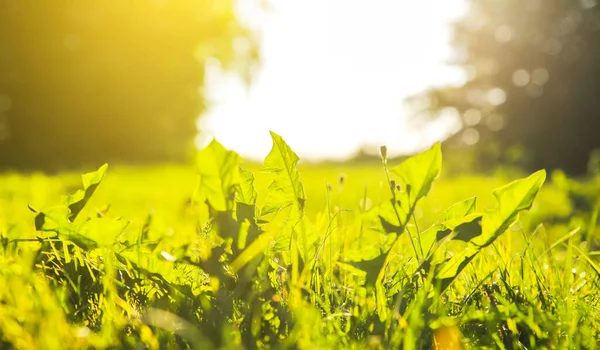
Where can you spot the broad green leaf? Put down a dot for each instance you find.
(388, 218)
(468, 230)
(461, 209)
(512, 199)
(246, 210)
(388, 227)
(433, 235)
(77, 201)
(219, 175)
(52, 219)
(418, 173)
(246, 193)
(307, 235)
(80, 240)
(103, 231)
(370, 267)
(56, 220)
(520, 194)
(454, 267)
(462, 229)
(286, 188)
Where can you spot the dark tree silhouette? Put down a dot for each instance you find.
(534, 81)
(93, 81)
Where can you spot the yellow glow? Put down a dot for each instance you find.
(334, 76)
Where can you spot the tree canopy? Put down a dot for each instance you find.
(84, 82)
(533, 83)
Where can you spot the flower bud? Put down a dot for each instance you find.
(383, 151)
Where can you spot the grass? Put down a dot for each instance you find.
(360, 255)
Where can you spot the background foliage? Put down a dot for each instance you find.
(534, 75)
(85, 82)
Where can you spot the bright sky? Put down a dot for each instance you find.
(334, 75)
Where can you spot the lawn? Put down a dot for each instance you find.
(279, 255)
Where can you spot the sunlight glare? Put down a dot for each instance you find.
(333, 78)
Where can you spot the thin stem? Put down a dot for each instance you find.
(410, 212)
(417, 227)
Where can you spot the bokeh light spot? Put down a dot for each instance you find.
(521, 77)
(496, 96)
(470, 136)
(472, 117)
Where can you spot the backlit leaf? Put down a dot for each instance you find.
(77, 201)
(246, 193)
(419, 172)
(461, 209)
(286, 188)
(512, 199)
(219, 174)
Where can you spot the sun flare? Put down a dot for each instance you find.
(330, 66)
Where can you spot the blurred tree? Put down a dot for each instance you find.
(112, 80)
(533, 83)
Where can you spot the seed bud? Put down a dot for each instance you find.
(383, 150)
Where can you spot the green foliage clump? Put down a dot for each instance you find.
(235, 269)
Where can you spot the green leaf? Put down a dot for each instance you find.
(307, 235)
(453, 268)
(370, 267)
(463, 229)
(467, 231)
(102, 231)
(388, 227)
(246, 193)
(219, 175)
(519, 194)
(286, 188)
(56, 220)
(77, 201)
(418, 173)
(246, 210)
(512, 199)
(461, 209)
(52, 219)
(80, 240)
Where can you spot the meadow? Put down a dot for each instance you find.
(227, 254)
